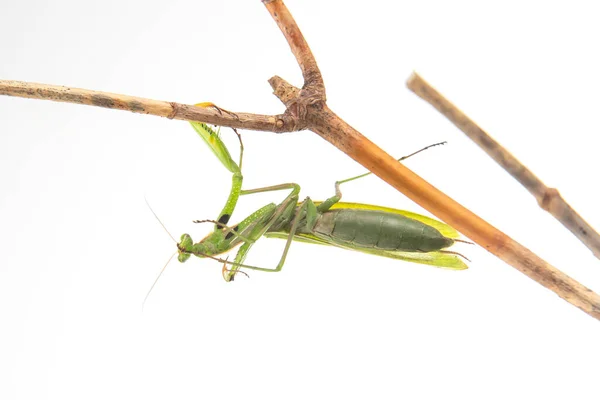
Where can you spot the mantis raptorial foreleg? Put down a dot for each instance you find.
(208, 104)
(214, 142)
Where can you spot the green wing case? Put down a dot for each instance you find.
(436, 258)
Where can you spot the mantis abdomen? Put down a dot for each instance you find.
(378, 230)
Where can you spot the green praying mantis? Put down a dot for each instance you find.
(366, 228)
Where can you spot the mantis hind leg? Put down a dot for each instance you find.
(327, 204)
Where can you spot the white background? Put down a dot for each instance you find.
(80, 248)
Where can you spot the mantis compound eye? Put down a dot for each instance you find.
(184, 247)
(183, 257)
(185, 242)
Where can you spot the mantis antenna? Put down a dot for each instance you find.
(156, 280)
(158, 219)
(168, 261)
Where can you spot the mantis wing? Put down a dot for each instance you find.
(438, 259)
(434, 258)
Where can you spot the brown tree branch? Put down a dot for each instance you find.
(172, 110)
(313, 80)
(548, 198)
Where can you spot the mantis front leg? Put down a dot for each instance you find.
(214, 142)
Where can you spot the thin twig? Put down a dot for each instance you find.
(548, 198)
(171, 110)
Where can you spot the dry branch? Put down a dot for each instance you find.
(307, 108)
(167, 109)
(548, 198)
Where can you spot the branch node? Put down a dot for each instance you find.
(283, 90)
(173, 113)
(548, 198)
